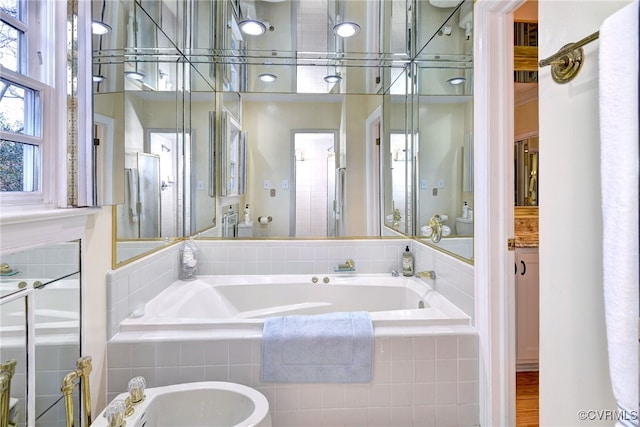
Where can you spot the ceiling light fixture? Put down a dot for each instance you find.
(346, 29)
(456, 80)
(333, 78)
(267, 77)
(252, 27)
(99, 28)
(134, 75)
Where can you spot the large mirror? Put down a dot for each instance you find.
(314, 135)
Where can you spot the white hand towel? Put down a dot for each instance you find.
(619, 177)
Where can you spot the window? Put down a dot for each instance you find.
(23, 146)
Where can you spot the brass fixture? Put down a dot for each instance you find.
(83, 369)
(128, 411)
(314, 279)
(430, 274)
(566, 63)
(37, 284)
(325, 280)
(136, 388)
(436, 228)
(7, 369)
(348, 265)
(22, 285)
(5, 268)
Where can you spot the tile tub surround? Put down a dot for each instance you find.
(140, 281)
(429, 380)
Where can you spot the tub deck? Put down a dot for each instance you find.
(229, 306)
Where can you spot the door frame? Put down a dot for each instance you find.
(493, 163)
(373, 172)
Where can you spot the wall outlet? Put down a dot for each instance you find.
(272, 193)
(435, 192)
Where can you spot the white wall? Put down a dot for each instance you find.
(574, 371)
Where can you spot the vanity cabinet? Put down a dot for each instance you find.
(527, 307)
(40, 321)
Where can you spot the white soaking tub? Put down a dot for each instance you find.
(238, 305)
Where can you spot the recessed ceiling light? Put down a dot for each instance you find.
(346, 29)
(333, 78)
(99, 28)
(456, 80)
(267, 77)
(98, 79)
(134, 75)
(252, 27)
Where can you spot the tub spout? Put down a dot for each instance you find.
(349, 265)
(427, 274)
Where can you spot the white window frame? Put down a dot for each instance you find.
(42, 70)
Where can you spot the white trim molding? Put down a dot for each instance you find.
(494, 287)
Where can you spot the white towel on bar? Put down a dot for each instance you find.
(619, 178)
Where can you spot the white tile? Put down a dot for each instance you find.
(353, 417)
(240, 352)
(216, 353)
(149, 375)
(192, 354)
(310, 418)
(287, 418)
(310, 396)
(241, 374)
(216, 373)
(402, 416)
(447, 416)
(190, 374)
(167, 375)
(468, 392)
(424, 348)
(381, 372)
(379, 417)
(402, 371)
(382, 349)
(333, 396)
(168, 354)
(401, 348)
(356, 396)
(446, 347)
(143, 355)
(401, 394)
(424, 394)
(119, 356)
(424, 415)
(468, 369)
(424, 371)
(446, 393)
(379, 395)
(118, 380)
(468, 346)
(446, 370)
(287, 398)
(468, 415)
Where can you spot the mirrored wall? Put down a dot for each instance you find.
(294, 133)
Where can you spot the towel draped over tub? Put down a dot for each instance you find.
(324, 348)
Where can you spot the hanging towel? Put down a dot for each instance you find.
(324, 348)
(619, 177)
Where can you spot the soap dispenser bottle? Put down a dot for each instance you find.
(188, 260)
(407, 262)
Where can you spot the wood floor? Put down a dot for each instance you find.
(527, 399)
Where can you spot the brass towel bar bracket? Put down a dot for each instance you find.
(566, 63)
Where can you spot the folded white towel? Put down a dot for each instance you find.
(619, 177)
(323, 348)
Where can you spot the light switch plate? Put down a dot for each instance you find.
(266, 184)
